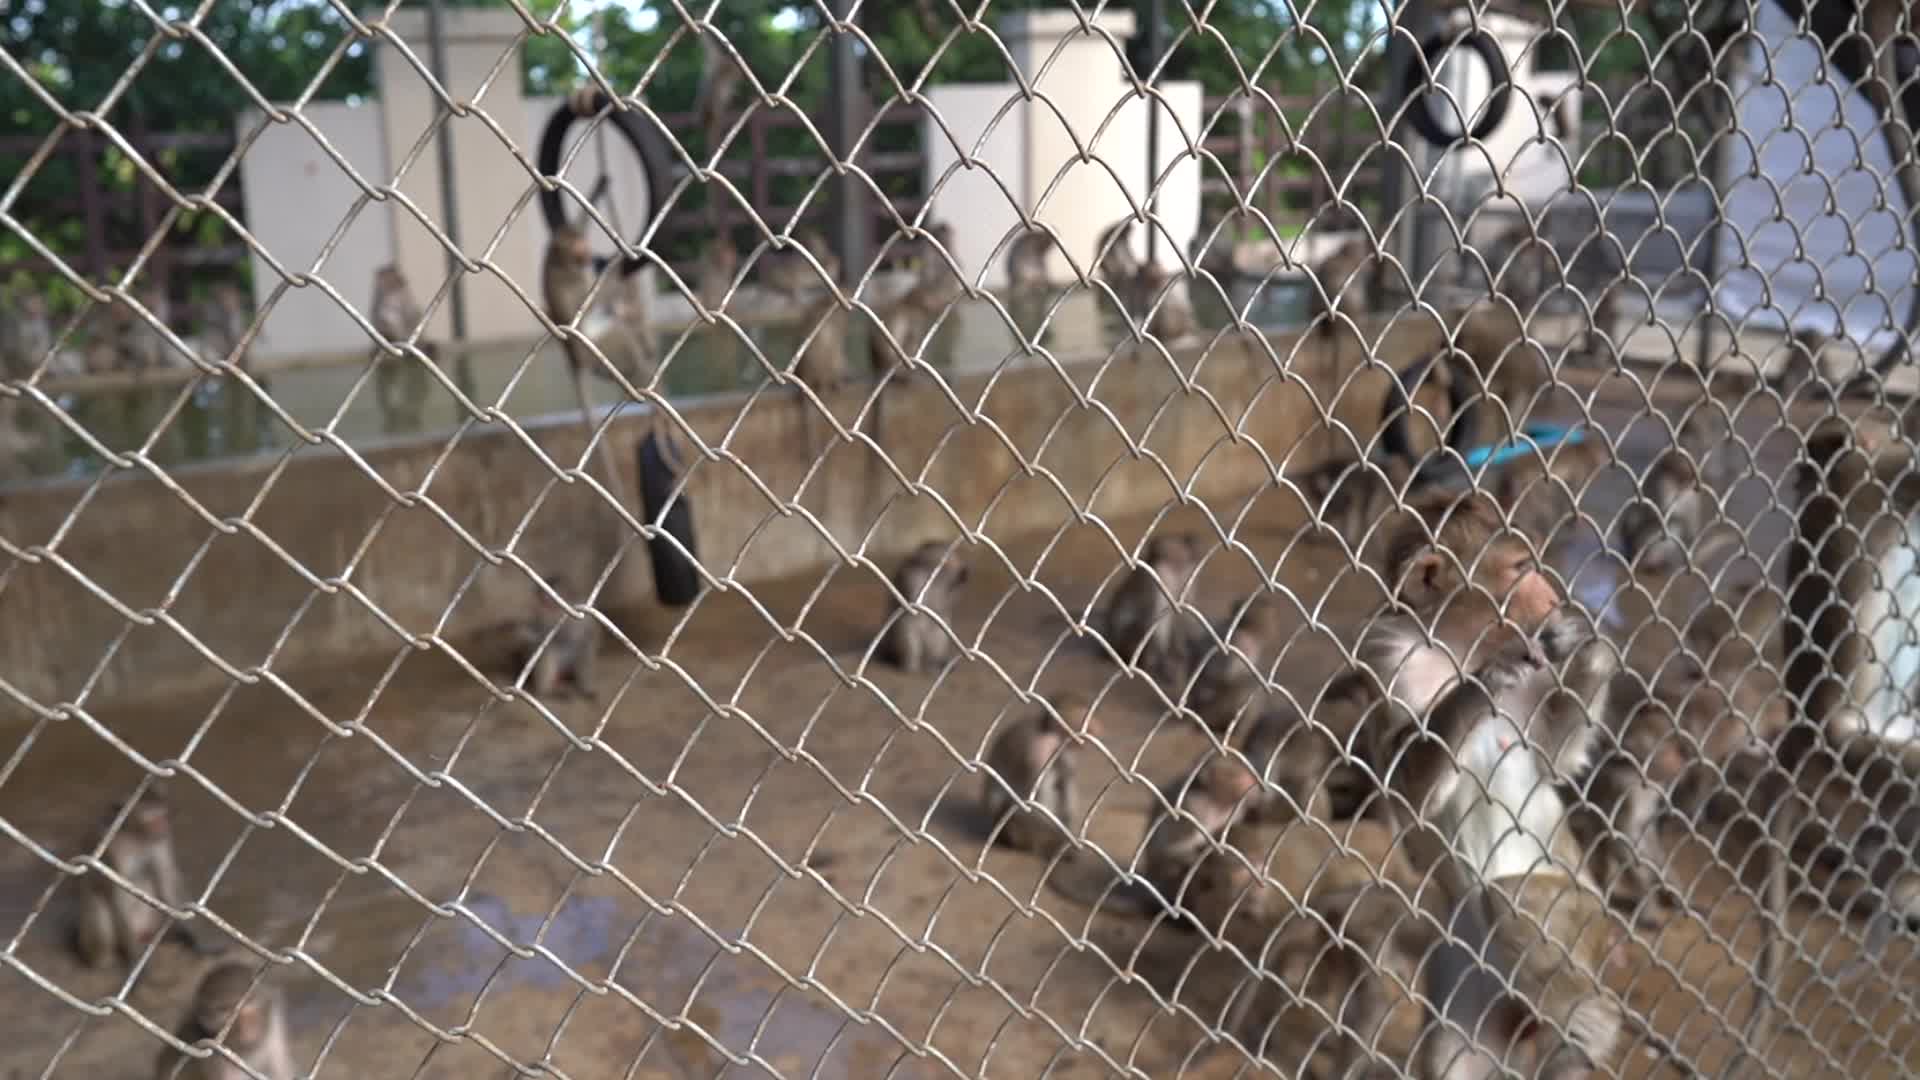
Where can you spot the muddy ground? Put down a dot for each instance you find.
(756, 851)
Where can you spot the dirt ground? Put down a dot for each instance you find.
(756, 852)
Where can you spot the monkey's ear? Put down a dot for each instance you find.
(1425, 578)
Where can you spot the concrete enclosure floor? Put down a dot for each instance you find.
(757, 851)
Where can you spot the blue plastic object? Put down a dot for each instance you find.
(1541, 435)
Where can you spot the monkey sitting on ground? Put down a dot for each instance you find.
(1141, 624)
(1328, 925)
(230, 1010)
(1350, 499)
(931, 578)
(1677, 505)
(1312, 767)
(1231, 683)
(1479, 725)
(113, 923)
(1032, 761)
(567, 660)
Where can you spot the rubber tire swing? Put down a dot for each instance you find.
(644, 140)
(1423, 115)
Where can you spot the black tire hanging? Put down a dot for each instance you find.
(1420, 90)
(676, 571)
(1396, 412)
(639, 134)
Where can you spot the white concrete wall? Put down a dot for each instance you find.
(1029, 153)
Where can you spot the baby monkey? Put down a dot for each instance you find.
(1032, 761)
(1141, 623)
(230, 1011)
(116, 925)
(932, 578)
(567, 660)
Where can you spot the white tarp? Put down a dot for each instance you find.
(1821, 220)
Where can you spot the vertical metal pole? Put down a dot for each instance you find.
(1719, 180)
(449, 210)
(852, 229)
(1154, 45)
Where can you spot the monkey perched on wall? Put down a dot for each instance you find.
(1027, 260)
(932, 578)
(567, 279)
(1114, 260)
(1173, 319)
(143, 347)
(26, 336)
(786, 271)
(228, 1009)
(1141, 623)
(114, 924)
(911, 317)
(1343, 283)
(1474, 759)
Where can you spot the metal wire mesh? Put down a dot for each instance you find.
(1082, 664)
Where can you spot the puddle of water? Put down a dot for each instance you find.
(454, 967)
(219, 421)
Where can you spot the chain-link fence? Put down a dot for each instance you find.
(915, 539)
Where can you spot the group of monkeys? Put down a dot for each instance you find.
(1492, 739)
(113, 336)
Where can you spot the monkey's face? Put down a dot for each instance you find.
(151, 820)
(1503, 583)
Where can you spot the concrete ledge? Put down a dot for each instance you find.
(308, 561)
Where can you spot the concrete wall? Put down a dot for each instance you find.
(309, 548)
(989, 149)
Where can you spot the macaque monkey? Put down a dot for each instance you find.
(1173, 320)
(1485, 724)
(932, 578)
(1231, 682)
(822, 362)
(1141, 623)
(114, 924)
(230, 1010)
(26, 336)
(1677, 495)
(719, 262)
(1342, 282)
(1350, 499)
(1115, 262)
(787, 271)
(142, 347)
(1032, 761)
(395, 313)
(1332, 917)
(567, 278)
(1312, 768)
(226, 320)
(1505, 370)
(1027, 260)
(721, 79)
(568, 659)
(1527, 268)
(1542, 490)
(911, 317)
(400, 383)
(1803, 367)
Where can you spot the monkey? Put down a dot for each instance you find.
(1349, 499)
(1114, 261)
(1527, 269)
(1334, 919)
(911, 317)
(26, 336)
(115, 924)
(786, 271)
(931, 577)
(1173, 320)
(1032, 760)
(142, 347)
(1141, 623)
(1230, 683)
(1503, 368)
(1542, 490)
(1027, 260)
(1802, 369)
(400, 383)
(225, 319)
(566, 660)
(1490, 678)
(1342, 287)
(719, 262)
(567, 276)
(1676, 504)
(721, 79)
(1313, 769)
(230, 1010)
(822, 361)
